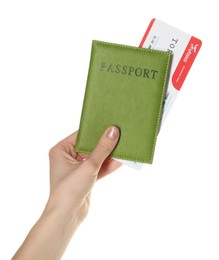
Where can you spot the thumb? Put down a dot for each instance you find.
(104, 147)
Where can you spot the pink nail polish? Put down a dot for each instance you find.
(112, 132)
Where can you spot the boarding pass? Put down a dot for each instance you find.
(184, 48)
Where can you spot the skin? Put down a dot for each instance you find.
(72, 177)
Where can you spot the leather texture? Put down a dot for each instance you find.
(126, 88)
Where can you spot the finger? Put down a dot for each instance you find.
(104, 147)
(67, 145)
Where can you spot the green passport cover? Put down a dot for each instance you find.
(126, 88)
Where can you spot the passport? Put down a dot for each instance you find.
(126, 88)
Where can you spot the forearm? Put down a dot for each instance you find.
(50, 236)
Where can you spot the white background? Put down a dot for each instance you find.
(165, 211)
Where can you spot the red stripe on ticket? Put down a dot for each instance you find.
(186, 62)
(147, 32)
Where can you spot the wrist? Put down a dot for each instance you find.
(61, 211)
(66, 209)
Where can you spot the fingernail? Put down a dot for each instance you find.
(112, 132)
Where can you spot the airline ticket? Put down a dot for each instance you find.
(184, 49)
